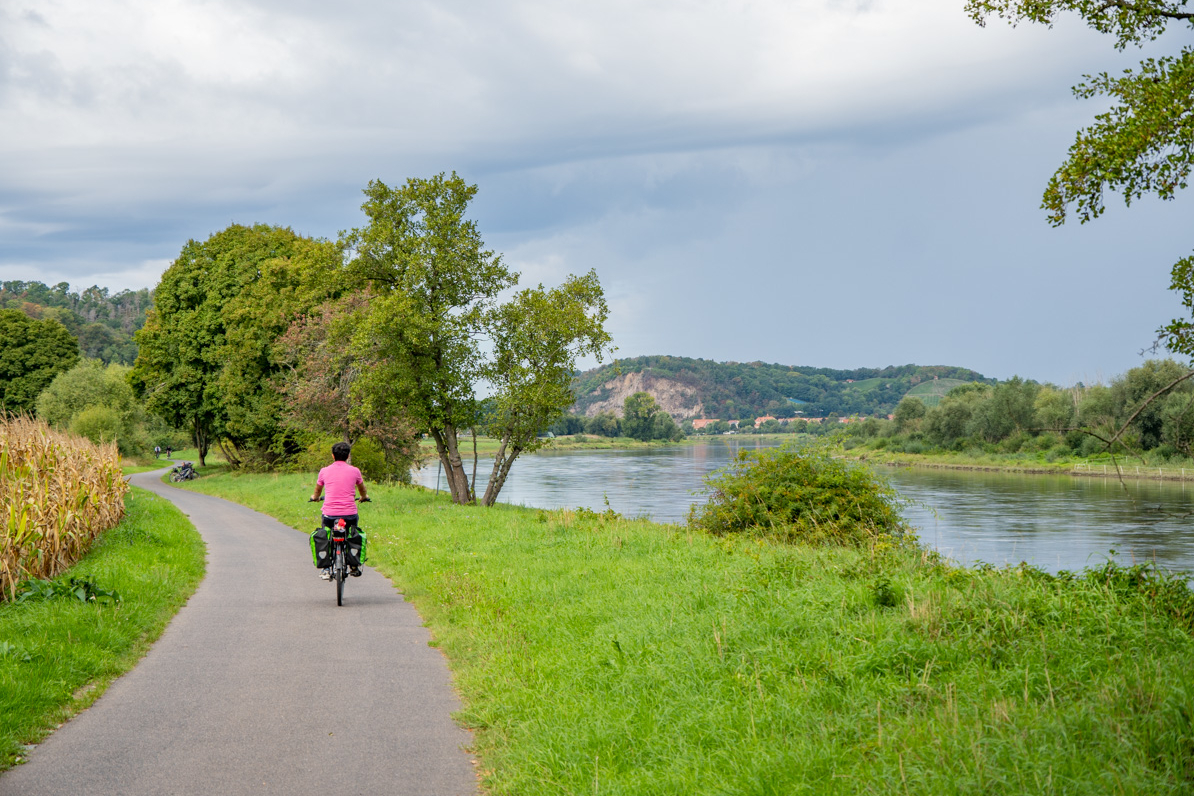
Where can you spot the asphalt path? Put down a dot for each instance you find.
(262, 685)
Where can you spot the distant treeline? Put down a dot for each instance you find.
(1023, 416)
(746, 390)
(103, 323)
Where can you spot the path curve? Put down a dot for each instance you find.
(262, 685)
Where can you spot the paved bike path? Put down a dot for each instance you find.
(262, 685)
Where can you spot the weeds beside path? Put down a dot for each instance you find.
(596, 654)
(58, 656)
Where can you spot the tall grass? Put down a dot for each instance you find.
(57, 494)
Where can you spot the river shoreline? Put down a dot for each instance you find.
(1135, 472)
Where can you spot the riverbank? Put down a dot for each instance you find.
(57, 656)
(1091, 468)
(595, 652)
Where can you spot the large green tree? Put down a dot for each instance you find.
(1144, 144)
(206, 353)
(434, 284)
(32, 353)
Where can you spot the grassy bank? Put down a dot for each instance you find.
(57, 656)
(1028, 463)
(598, 655)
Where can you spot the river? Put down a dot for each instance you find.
(1053, 522)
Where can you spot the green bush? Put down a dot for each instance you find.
(100, 424)
(801, 494)
(368, 456)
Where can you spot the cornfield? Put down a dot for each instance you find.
(57, 494)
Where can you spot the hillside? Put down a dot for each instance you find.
(103, 323)
(688, 388)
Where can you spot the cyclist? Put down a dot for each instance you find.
(341, 480)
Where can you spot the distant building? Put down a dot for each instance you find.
(761, 420)
(701, 422)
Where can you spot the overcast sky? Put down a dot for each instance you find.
(834, 183)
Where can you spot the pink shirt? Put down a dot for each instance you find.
(339, 480)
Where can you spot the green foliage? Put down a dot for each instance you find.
(100, 424)
(908, 414)
(734, 391)
(638, 416)
(434, 292)
(370, 459)
(64, 588)
(1145, 142)
(537, 337)
(206, 356)
(104, 324)
(433, 285)
(802, 494)
(91, 386)
(32, 353)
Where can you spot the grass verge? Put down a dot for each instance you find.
(600, 655)
(58, 656)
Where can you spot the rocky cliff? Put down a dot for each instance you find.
(678, 400)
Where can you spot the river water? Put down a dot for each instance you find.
(1053, 522)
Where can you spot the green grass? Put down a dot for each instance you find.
(58, 656)
(599, 655)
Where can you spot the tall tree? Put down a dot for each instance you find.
(537, 337)
(32, 353)
(434, 284)
(204, 360)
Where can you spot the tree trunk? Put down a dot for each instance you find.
(201, 442)
(449, 455)
(501, 469)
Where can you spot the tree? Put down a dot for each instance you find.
(908, 414)
(638, 416)
(318, 383)
(537, 338)
(1145, 143)
(434, 284)
(32, 353)
(87, 385)
(205, 359)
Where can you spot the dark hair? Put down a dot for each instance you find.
(340, 451)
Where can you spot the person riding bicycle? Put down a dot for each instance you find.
(341, 480)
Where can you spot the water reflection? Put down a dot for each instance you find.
(1054, 522)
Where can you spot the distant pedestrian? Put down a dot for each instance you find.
(157, 452)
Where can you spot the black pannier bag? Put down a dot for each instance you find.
(355, 552)
(321, 548)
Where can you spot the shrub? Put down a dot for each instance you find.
(100, 424)
(801, 494)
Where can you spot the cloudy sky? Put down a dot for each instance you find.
(835, 183)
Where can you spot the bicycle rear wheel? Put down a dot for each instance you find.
(338, 574)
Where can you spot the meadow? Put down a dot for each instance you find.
(600, 655)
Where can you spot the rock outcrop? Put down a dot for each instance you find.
(678, 400)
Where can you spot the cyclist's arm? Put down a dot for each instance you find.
(361, 489)
(318, 491)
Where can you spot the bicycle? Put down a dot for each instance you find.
(184, 472)
(338, 536)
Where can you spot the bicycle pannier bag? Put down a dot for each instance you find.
(321, 548)
(356, 547)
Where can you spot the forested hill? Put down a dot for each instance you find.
(102, 323)
(735, 390)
